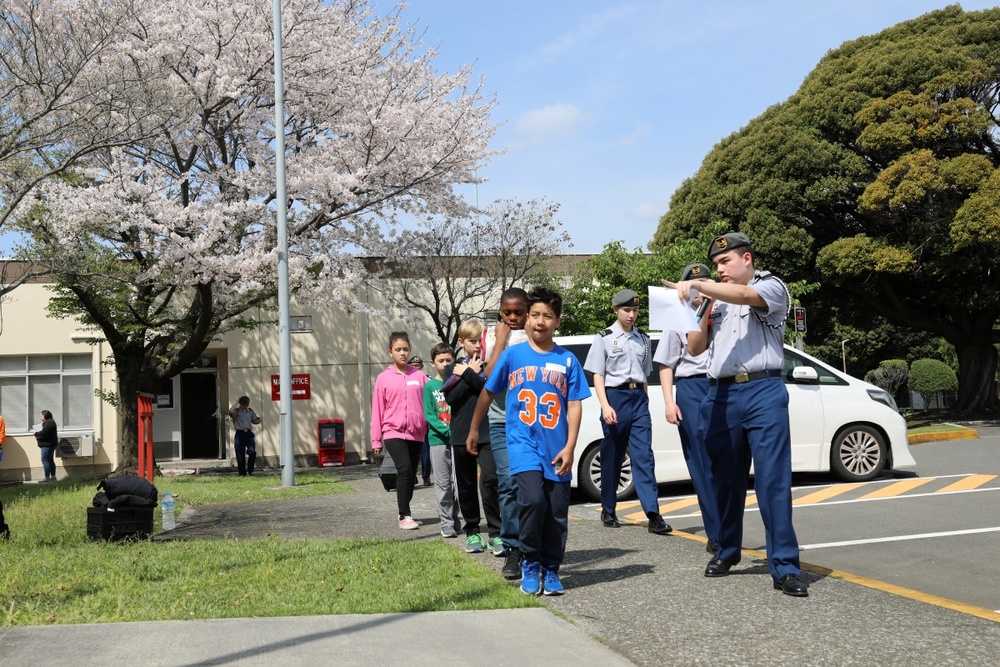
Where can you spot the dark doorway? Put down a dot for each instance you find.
(199, 416)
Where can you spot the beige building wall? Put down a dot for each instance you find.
(27, 331)
(342, 351)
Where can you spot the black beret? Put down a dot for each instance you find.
(625, 297)
(727, 242)
(695, 271)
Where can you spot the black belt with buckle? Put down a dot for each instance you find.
(740, 378)
(245, 430)
(694, 377)
(627, 385)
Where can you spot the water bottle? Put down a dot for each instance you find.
(168, 511)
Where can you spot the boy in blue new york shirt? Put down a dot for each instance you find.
(545, 385)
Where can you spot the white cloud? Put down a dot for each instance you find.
(593, 27)
(639, 133)
(541, 125)
(646, 211)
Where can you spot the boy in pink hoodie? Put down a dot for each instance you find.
(398, 422)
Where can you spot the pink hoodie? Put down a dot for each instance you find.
(398, 406)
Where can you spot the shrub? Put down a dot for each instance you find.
(930, 376)
(890, 375)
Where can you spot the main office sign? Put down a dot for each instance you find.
(300, 387)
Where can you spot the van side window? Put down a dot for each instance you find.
(824, 376)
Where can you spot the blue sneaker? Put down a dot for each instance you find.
(529, 577)
(551, 583)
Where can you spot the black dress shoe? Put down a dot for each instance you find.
(790, 584)
(609, 519)
(718, 567)
(712, 547)
(657, 525)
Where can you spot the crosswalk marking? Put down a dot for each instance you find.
(826, 494)
(831, 494)
(970, 482)
(897, 489)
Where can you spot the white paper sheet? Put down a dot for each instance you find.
(669, 313)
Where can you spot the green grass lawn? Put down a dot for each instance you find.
(50, 573)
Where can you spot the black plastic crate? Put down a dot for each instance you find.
(119, 523)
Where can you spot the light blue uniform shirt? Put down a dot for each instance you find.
(672, 352)
(620, 357)
(748, 339)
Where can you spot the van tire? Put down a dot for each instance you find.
(590, 475)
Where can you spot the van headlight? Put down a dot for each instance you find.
(884, 398)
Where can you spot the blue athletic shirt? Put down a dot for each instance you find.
(539, 387)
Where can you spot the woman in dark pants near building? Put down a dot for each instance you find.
(48, 440)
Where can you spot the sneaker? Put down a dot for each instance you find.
(529, 577)
(551, 583)
(496, 546)
(449, 531)
(512, 564)
(407, 523)
(474, 544)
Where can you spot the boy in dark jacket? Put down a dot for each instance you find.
(463, 382)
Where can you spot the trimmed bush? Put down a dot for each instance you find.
(928, 377)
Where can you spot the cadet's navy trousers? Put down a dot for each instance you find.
(690, 393)
(633, 434)
(743, 423)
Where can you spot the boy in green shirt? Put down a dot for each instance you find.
(438, 415)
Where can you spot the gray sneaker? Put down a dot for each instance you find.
(474, 544)
(496, 546)
(448, 531)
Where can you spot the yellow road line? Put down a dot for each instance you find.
(892, 589)
(664, 509)
(970, 482)
(678, 505)
(898, 488)
(826, 494)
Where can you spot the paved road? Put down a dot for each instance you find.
(926, 529)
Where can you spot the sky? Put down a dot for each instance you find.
(606, 106)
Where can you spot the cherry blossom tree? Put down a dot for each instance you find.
(64, 94)
(451, 269)
(164, 241)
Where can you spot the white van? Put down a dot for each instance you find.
(839, 424)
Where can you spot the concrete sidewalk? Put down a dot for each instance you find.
(632, 598)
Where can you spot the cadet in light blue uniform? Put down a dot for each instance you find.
(690, 376)
(746, 410)
(620, 360)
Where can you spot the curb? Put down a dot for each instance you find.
(966, 434)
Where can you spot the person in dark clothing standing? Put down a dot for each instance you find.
(48, 440)
(243, 418)
(463, 382)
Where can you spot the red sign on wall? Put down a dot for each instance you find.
(300, 387)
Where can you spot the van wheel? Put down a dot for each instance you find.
(590, 475)
(858, 454)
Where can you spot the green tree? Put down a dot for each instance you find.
(587, 301)
(931, 376)
(891, 374)
(879, 177)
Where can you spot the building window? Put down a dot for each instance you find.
(59, 383)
